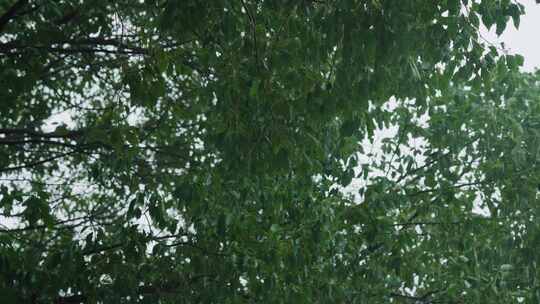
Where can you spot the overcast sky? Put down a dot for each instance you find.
(526, 39)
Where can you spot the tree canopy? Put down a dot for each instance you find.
(204, 152)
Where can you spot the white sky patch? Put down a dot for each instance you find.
(523, 41)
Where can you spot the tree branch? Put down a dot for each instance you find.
(33, 133)
(34, 141)
(43, 161)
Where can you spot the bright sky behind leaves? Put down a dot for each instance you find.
(525, 40)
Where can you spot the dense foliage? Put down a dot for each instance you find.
(202, 152)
